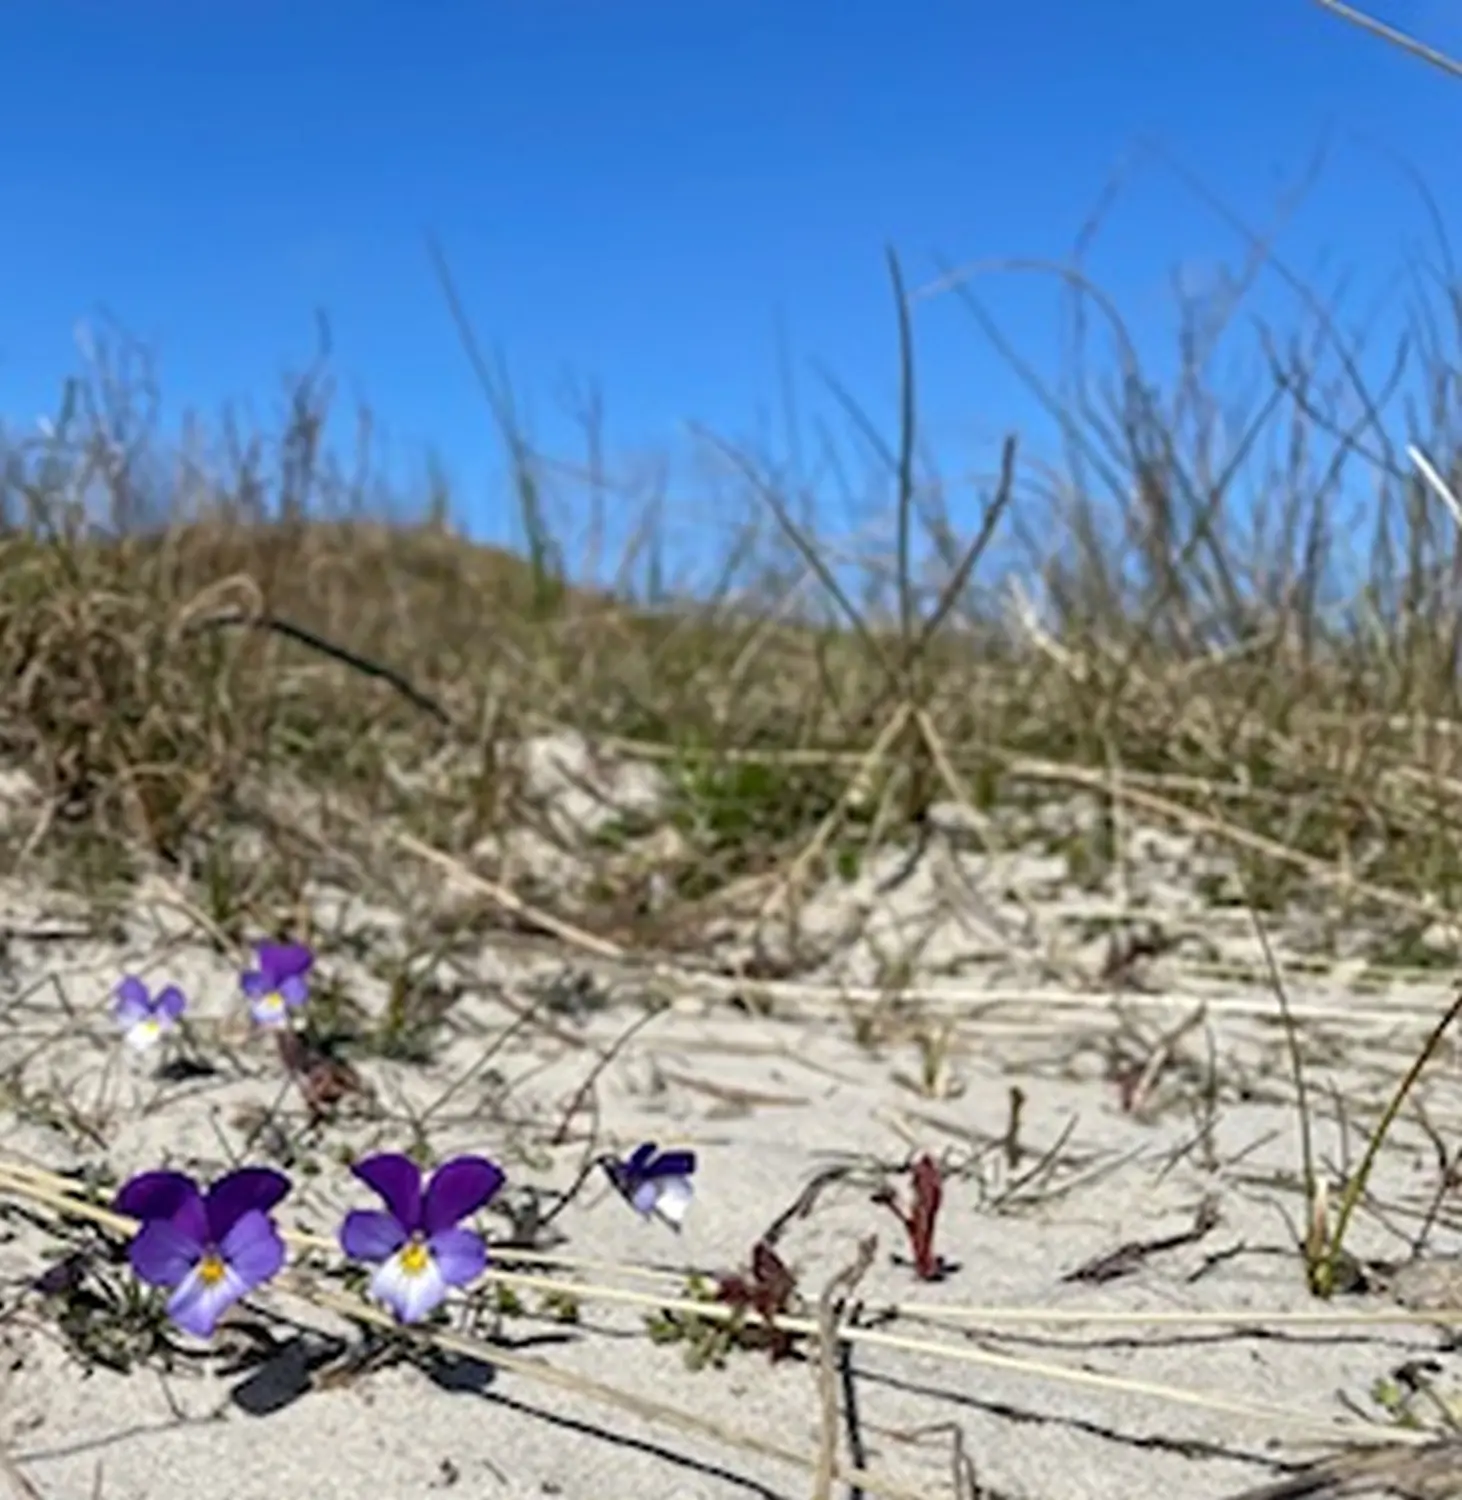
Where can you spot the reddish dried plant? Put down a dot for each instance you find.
(323, 1080)
(920, 1217)
(767, 1290)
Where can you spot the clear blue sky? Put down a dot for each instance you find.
(644, 193)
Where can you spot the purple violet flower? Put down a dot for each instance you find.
(145, 1017)
(280, 984)
(417, 1244)
(207, 1249)
(654, 1182)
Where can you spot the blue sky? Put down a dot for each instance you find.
(673, 200)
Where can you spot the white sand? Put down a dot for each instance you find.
(766, 1101)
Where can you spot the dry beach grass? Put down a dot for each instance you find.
(1122, 904)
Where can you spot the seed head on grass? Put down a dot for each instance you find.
(208, 1249)
(417, 1243)
(279, 984)
(654, 1182)
(144, 1018)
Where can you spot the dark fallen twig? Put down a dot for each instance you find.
(240, 619)
(1125, 1259)
(805, 1202)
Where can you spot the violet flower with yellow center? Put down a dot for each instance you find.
(417, 1243)
(146, 1018)
(208, 1249)
(280, 984)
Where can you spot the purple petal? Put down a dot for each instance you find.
(248, 1190)
(672, 1164)
(255, 985)
(294, 990)
(253, 1249)
(370, 1235)
(281, 961)
(162, 1254)
(398, 1181)
(132, 1002)
(199, 1302)
(170, 1003)
(460, 1255)
(459, 1187)
(155, 1195)
(638, 1160)
(133, 990)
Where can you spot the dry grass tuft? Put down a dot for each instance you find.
(1185, 625)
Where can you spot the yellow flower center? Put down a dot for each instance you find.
(211, 1269)
(415, 1257)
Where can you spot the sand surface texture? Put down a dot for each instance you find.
(1122, 1309)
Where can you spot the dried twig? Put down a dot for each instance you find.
(830, 1303)
(1406, 43)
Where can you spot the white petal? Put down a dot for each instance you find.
(197, 1305)
(411, 1295)
(672, 1200)
(144, 1033)
(270, 1009)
